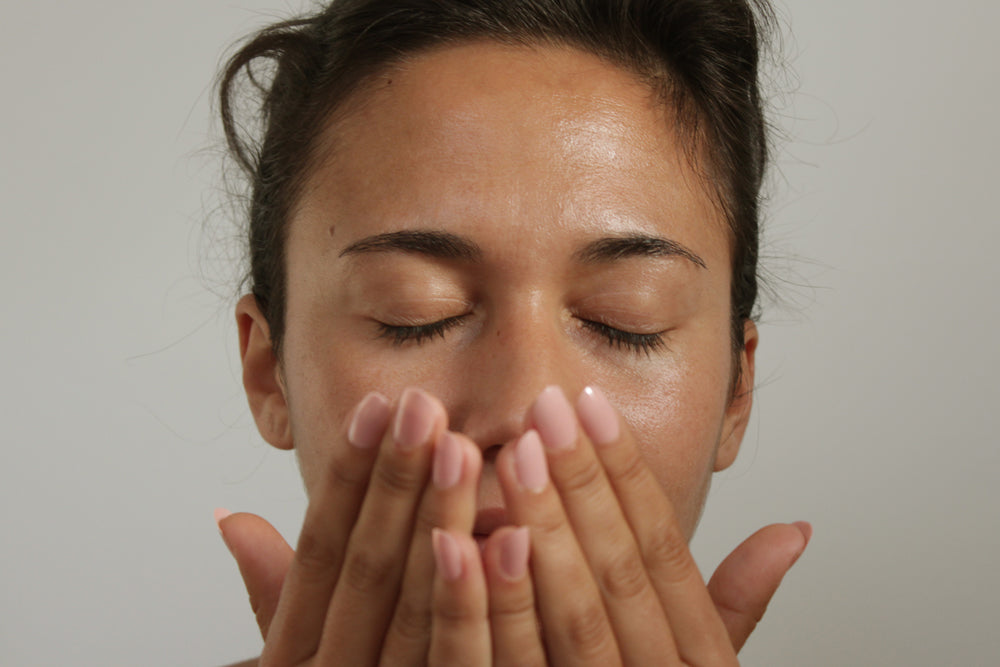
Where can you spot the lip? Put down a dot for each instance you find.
(488, 520)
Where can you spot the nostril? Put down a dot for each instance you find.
(490, 454)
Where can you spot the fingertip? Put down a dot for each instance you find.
(530, 466)
(472, 454)
(447, 555)
(219, 514)
(449, 455)
(806, 529)
(368, 421)
(554, 419)
(598, 417)
(514, 550)
(420, 417)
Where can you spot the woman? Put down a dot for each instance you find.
(503, 267)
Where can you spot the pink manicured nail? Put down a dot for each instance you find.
(220, 513)
(414, 419)
(514, 548)
(447, 461)
(554, 418)
(369, 421)
(599, 419)
(447, 554)
(529, 462)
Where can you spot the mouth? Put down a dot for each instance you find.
(487, 521)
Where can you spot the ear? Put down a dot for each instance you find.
(738, 413)
(262, 374)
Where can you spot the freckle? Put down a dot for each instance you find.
(332, 230)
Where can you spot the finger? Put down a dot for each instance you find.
(632, 604)
(514, 628)
(295, 632)
(577, 630)
(366, 593)
(460, 633)
(263, 557)
(449, 503)
(745, 581)
(699, 633)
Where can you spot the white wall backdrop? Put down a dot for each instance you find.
(124, 424)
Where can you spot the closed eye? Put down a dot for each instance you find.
(418, 333)
(618, 338)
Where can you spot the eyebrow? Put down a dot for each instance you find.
(635, 245)
(444, 245)
(441, 245)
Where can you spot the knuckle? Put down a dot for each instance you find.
(512, 609)
(633, 470)
(452, 612)
(549, 525)
(666, 549)
(315, 552)
(625, 577)
(366, 571)
(584, 479)
(412, 621)
(522, 657)
(397, 480)
(587, 631)
(341, 474)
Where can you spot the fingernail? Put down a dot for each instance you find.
(553, 416)
(220, 513)
(369, 421)
(447, 461)
(514, 549)
(447, 555)
(414, 419)
(807, 530)
(529, 463)
(599, 419)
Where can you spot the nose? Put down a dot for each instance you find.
(512, 360)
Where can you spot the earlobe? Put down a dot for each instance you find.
(738, 413)
(265, 394)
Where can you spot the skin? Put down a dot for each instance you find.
(529, 159)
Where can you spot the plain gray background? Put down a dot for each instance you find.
(124, 423)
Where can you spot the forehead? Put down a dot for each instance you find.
(514, 138)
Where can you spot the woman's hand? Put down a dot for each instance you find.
(611, 577)
(357, 589)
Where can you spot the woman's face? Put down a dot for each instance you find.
(488, 220)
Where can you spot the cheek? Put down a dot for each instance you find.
(677, 424)
(323, 387)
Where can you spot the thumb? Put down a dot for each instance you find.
(263, 557)
(746, 580)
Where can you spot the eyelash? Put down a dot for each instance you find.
(418, 333)
(617, 338)
(636, 342)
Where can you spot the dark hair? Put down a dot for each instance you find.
(701, 56)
